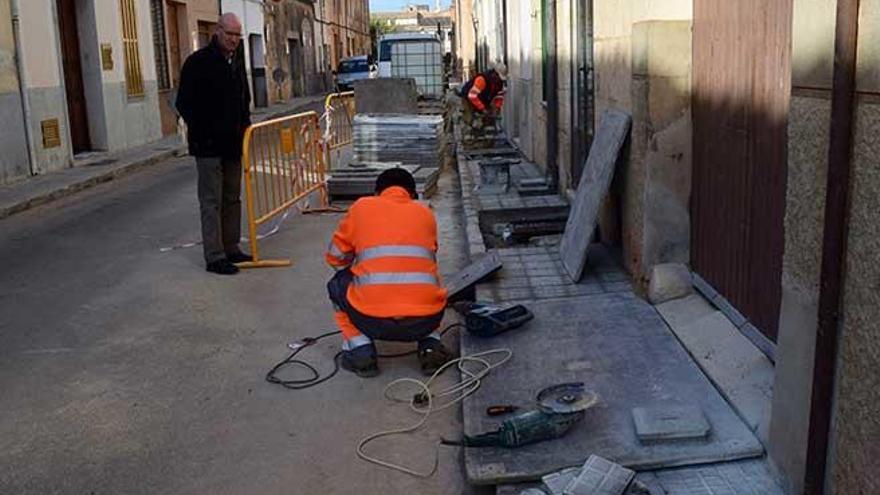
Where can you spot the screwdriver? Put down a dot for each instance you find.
(500, 409)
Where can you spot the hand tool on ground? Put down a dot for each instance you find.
(500, 410)
(559, 408)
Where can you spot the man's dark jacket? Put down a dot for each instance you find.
(214, 100)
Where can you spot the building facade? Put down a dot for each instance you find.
(346, 25)
(78, 77)
(727, 171)
(180, 27)
(421, 19)
(250, 12)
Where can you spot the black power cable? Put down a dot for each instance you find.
(316, 378)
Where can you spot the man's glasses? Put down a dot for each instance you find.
(231, 34)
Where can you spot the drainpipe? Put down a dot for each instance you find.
(22, 89)
(833, 244)
(552, 100)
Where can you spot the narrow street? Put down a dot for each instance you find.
(129, 370)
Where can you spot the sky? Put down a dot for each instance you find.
(392, 5)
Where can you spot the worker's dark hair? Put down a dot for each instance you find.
(396, 177)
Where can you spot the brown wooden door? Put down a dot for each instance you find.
(741, 95)
(73, 81)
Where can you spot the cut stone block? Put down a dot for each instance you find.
(600, 477)
(669, 281)
(657, 424)
(595, 181)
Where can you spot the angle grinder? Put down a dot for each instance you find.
(559, 408)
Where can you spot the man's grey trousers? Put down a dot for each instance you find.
(220, 205)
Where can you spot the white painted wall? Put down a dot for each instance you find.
(250, 13)
(39, 41)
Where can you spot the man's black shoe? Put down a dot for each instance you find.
(239, 257)
(223, 267)
(361, 361)
(433, 355)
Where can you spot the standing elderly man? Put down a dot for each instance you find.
(214, 100)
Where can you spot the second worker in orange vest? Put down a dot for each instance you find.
(387, 286)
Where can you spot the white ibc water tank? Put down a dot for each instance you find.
(421, 60)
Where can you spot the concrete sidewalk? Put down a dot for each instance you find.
(94, 168)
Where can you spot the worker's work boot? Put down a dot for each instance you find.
(361, 361)
(433, 355)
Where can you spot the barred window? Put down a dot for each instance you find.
(134, 78)
(159, 46)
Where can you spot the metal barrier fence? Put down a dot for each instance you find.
(283, 161)
(338, 119)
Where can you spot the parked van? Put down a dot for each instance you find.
(389, 40)
(353, 69)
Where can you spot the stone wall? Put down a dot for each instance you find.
(854, 449)
(642, 53)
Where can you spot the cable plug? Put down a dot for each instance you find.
(420, 399)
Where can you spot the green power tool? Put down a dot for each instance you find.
(560, 407)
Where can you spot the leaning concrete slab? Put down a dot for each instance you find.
(618, 345)
(595, 181)
(466, 278)
(386, 95)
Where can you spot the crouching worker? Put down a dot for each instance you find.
(387, 286)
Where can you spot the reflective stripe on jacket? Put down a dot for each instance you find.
(390, 241)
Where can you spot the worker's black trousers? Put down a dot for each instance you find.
(407, 329)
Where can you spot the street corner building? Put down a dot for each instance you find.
(75, 76)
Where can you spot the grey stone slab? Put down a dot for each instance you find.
(386, 95)
(752, 477)
(618, 345)
(600, 476)
(595, 181)
(737, 368)
(472, 274)
(655, 424)
(730, 311)
(704, 287)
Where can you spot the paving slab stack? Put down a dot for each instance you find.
(399, 138)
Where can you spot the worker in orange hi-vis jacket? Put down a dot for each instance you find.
(483, 97)
(387, 285)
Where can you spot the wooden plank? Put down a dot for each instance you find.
(595, 181)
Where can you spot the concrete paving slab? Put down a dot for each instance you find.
(532, 273)
(595, 181)
(599, 476)
(740, 371)
(658, 424)
(618, 345)
(735, 478)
